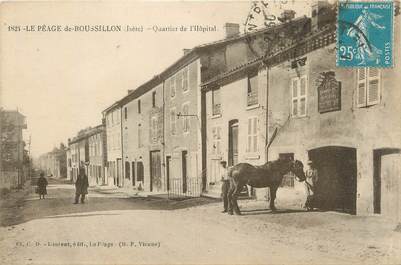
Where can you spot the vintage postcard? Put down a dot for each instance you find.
(200, 132)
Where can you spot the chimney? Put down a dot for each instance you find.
(322, 14)
(287, 15)
(186, 51)
(231, 29)
(130, 91)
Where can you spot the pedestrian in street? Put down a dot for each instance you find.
(225, 185)
(310, 186)
(81, 186)
(42, 183)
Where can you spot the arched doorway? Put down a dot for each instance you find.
(337, 171)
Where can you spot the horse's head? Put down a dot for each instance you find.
(297, 168)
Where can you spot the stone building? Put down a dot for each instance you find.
(142, 125)
(161, 123)
(96, 165)
(344, 120)
(114, 169)
(54, 163)
(87, 150)
(12, 146)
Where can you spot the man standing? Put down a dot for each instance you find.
(81, 186)
(226, 185)
(310, 185)
(42, 183)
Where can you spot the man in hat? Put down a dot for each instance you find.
(310, 185)
(81, 186)
(226, 185)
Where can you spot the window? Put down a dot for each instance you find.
(125, 113)
(154, 99)
(139, 135)
(185, 117)
(153, 129)
(172, 87)
(368, 89)
(216, 132)
(139, 168)
(216, 105)
(252, 139)
(178, 80)
(185, 79)
(299, 88)
(173, 122)
(139, 106)
(252, 93)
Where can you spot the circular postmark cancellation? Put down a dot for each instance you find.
(266, 16)
(365, 34)
(261, 16)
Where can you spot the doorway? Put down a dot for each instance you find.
(232, 142)
(337, 171)
(386, 183)
(184, 171)
(133, 173)
(127, 170)
(168, 162)
(155, 171)
(119, 173)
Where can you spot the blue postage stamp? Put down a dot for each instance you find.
(365, 34)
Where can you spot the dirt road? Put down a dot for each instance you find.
(116, 229)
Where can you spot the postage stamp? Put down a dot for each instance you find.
(365, 34)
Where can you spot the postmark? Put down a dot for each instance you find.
(265, 15)
(365, 34)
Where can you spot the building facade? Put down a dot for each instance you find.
(54, 163)
(112, 117)
(142, 123)
(236, 124)
(12, 149)
(313, 110)
(96, 167)
(87, 151)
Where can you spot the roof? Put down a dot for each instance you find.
(323, 37)
(86, 134)
(189, 57)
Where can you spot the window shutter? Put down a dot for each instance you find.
(185, 79)
(373, 92)
(178, 81)
(294, 85)
(218, 140)
(303, 86)
(249, 144)
(294, 107)
(361, 88)
(255, 134)
(302, 107)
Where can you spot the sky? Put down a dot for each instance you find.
(61, 81)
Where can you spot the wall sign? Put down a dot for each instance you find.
(329, 93)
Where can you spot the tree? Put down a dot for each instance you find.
(8, 145)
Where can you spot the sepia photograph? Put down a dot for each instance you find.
(200, 132)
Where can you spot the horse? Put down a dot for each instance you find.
(268, 175)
